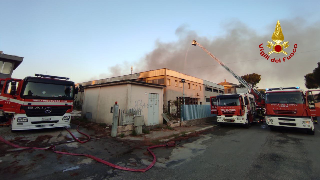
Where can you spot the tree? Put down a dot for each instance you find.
(252, 79)
(312, 80)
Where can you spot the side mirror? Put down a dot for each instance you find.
(311, 106)
(311, 102)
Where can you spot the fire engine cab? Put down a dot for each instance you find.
(236, 109)
(37, 102)
(288, 107)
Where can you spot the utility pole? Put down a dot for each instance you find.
(184, 103)
(114, 129)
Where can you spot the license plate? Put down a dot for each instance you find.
(46, 119)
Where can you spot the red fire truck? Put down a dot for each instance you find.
(236, 109)
(37, 102)
(258, 97)
(313, 99)
(289, 107)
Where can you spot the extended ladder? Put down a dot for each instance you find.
(241, 80)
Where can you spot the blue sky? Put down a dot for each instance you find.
(82, 39)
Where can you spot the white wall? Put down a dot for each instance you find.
(140, 99)
(108, 96)
(99, 100)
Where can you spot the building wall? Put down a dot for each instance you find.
(230, 90)
(174, 88)
(108, 96)
(99, 101)
(193, 87)
(211, 89)
(139, 98)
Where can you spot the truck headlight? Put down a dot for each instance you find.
(22, 119)
(66, 118)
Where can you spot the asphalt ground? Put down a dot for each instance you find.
(230, 152)
(234, 152)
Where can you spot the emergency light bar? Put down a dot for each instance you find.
(52, 77)
(281, 88)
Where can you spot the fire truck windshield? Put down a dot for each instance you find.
(228, 102)
(36, 90)
(284, 98)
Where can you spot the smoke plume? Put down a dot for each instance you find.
(239, 49)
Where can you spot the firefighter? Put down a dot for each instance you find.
(260, 113)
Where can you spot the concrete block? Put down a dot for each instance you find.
(138, 121)
(124, 129)
(138, 130)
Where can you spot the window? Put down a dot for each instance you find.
(284, 98)
(200, 87)
(5, 67)
(231, 101)
(189, 86)
(208, 89)
(156, 81)
(160, 81)
(35, 90)
(1, 86)
(9, 86)
(168, 82)
(176, 83)
(229, 90)
(207, 99)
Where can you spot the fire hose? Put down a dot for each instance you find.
(169, 144)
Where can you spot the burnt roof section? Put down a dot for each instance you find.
(122, 82)
(16, 60)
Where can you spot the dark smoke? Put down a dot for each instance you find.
(239, 50)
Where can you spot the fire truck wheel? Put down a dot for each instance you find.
(311, 132)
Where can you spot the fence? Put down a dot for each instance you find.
(190, 112)
(127, 115)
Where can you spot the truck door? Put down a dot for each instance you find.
(213, 104)
(9, 93)
(313, 102)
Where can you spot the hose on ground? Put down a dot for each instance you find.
(169, 144)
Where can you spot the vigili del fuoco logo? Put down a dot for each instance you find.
(278, 46)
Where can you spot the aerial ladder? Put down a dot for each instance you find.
(260, 99)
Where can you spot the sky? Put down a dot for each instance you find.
(89, 40)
